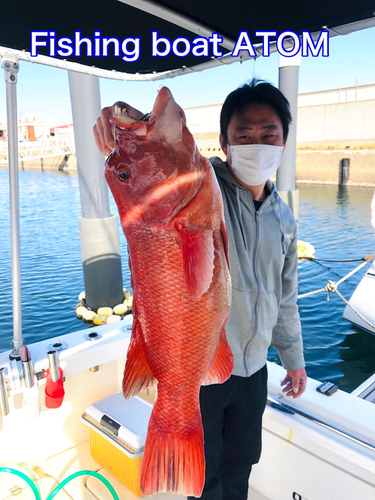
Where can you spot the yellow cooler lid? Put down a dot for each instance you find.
(124, 418)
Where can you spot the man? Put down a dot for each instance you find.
(254, 125)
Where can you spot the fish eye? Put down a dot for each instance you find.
(123, 175)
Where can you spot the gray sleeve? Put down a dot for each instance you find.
(287, 336)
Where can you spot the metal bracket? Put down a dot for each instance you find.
(11, 67)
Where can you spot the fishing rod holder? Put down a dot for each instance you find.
(53, 361)
(4, 405)
(28, 374)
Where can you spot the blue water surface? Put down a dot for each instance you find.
(336, 222)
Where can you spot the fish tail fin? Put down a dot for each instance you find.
(173, 462)
(222, 364)
(137, 374)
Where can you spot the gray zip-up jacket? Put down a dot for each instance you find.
(263, 260)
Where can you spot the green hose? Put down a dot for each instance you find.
(61, 485)
(25, 478)
(83, 473)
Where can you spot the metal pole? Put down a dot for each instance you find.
(11, 66)
(286, 174)
(85, 99)
(100, 245)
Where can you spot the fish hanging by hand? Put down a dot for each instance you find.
(171, 212)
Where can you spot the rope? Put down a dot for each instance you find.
(355, 310)
(313, 259)
(311, 293)
(331, 286)
(366, 259)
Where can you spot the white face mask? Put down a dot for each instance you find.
(254, 164)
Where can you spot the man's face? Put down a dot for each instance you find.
(257, 124)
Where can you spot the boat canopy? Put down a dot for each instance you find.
(169, 19)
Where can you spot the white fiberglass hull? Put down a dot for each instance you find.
(300, 459)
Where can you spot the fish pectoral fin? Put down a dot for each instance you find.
(198, 257)
(137, 374)
(222, 364)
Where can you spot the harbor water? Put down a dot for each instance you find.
(336, 222)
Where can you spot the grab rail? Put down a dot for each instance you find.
(294, 409)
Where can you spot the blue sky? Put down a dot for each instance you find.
(43, 92)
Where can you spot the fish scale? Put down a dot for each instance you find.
(166, 282)
(172, 215)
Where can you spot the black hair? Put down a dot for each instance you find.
(255, 92)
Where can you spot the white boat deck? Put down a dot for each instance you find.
(54, 470)
(296, 449)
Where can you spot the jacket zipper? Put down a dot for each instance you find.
(258, 289)
(282, 228)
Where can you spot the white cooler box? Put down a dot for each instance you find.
(117, 430)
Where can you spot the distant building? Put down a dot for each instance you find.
(33, 130)
(63, 132)
(343, 116)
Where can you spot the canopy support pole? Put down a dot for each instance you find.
(286, 174)
(100, 245)
(11, 66)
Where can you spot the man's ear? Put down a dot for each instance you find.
(286, 140)
(223, 144)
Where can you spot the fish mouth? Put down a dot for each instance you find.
(122, 120)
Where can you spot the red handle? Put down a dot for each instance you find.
(54, 391)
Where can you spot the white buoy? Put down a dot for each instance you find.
(80, 311)
(107, 311)
(120, 309)
(114, 318)
(88, 315)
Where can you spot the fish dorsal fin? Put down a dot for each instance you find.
(198, 257)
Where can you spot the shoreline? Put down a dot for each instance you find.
(319, 167)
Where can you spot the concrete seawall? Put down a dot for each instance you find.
(313, 166)
(322, 167)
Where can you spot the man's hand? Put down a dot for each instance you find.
(104, 130)
(295, 383)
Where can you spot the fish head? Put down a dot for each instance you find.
(155, 169)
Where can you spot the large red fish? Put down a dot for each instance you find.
(172, 215)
